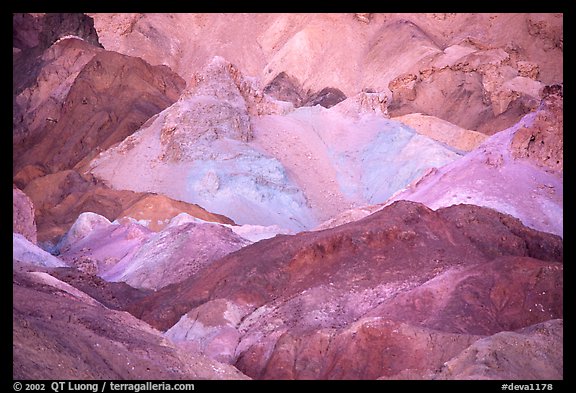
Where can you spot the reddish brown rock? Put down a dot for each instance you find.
(23, 221)
(110, 98)
(26, 29)
(59, 332)
(158, 210)
(532, 353)
(48, 191)
(368, 349)
(61, 197)
(497, 234)
(34, 33)
(292, 262)
(357, 255)
(413, 329)
(113, 295)
(27, 174)
(37, 107)
(406, 288)
(505, 294)
(49, 52)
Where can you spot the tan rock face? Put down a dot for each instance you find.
(443, 131)
(478, 92)
(159, 209)
(402, 87)
(23, 221)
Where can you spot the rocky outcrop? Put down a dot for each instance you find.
(23, 221)
(60, 332)
(532, 353)
(498, 175)
(508, 236)
(82, 227)
(305, 305)
(25, 31)
(57, 25)
(252, 233)
(211, 329)
(60, 198)
(443, 131)
(125, 251)
(104, 246)
(110, 98)
(505, 294)
(212, 109)
(49, 52)
(37, 107)
(327, 97)
(113, 295)
(542, 142)
(310, 163)
(175, 254)
(458, 93)
(34, 33)
(285, 88)
(450, 55)
(156, 211)
(202, 143)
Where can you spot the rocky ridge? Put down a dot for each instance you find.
(303, 305)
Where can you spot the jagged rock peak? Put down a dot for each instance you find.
(542, 142)
(222, 79)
